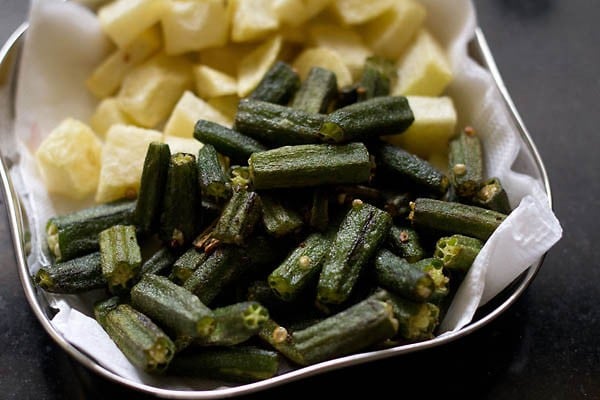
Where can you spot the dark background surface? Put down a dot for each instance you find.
(547, 346)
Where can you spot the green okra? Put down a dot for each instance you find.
(492, 196)
(458, 252)
(310, 165)
(239, 177)
(405, 243)
(213, 182)
(227, 141)
(277, 125)
(362, 231)
(236, 364)
(186, 264)
(466, 162)
(278, 219)
(159, 262)
(376, 78)
(319, 210)
(77, 275)
(318, 90)
(401, 277)
(76, 234)
(347, 95)
(364, 324)
(278, 85)
(238, 218)
(400, 164)
(368, 119)
(181, 213)
(235, 324)
(152, 186)
(140, 340)
(120, 256)
(434, 268)
(456, 218)
(173, 307)
(281, 340)
(300, 268)
(397, 204)
(103, 307)
(416, 321)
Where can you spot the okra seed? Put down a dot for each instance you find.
(459, 169)
(279, 334)
(304, 262)
(357, 202)
(469, 130)
(404, 236)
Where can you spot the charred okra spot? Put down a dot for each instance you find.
(255, 315)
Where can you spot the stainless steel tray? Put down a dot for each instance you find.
(9, 53)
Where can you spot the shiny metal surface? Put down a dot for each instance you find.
(8, 59)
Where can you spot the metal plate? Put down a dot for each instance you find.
(479, 51)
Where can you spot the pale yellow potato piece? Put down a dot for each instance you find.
(252, 19)
(353, 12)
(345, 42)
(424, 70)
(69, 159)
(123, 158)
(152, 89)
(194, 25)
(188, 111)
(107, 114)
(213, 83)
(255, 65)
(225, 59)
(106, 79)
(439, 159)
(314, 7)
(390, 33)
(434, 126)
(291, 12)
(183, 145)
(227, 105)
(125, 20)
(324, 58)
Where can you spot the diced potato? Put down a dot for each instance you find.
(107, 114)
(293, 34)
(213, 83)
(225, 59)
(353, 12)
(290, 12)
(151, 90)
(188, 111)
(69, 159)
(227, 105)
(314, 7)
(252, 19)
(424, 70)
(324, 58)
(123, 158)
(108, 76)
(345, 42)
(183, 145)
(194, 25)
(125, 20)
(434, 125)
(255, 65)
(390, 33)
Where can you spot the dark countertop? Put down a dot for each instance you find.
(547, 346)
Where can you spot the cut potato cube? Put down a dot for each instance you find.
(424, 70)
(353, 12)
(314, 7)
(125, 20)
(108, 114)
(255, 65)
(345, 42)
(225, 59)
(108, 76)
(213, 83)
(123, 160)
(151, 90)
(183, 145)
(434, 125)
(390, 33)
(188, 111)
(252, 19)
(324, 58)
(69, 159)
(290, 12)
(194, 25)
(227, 105)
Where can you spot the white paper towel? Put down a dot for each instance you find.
(64, 43)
